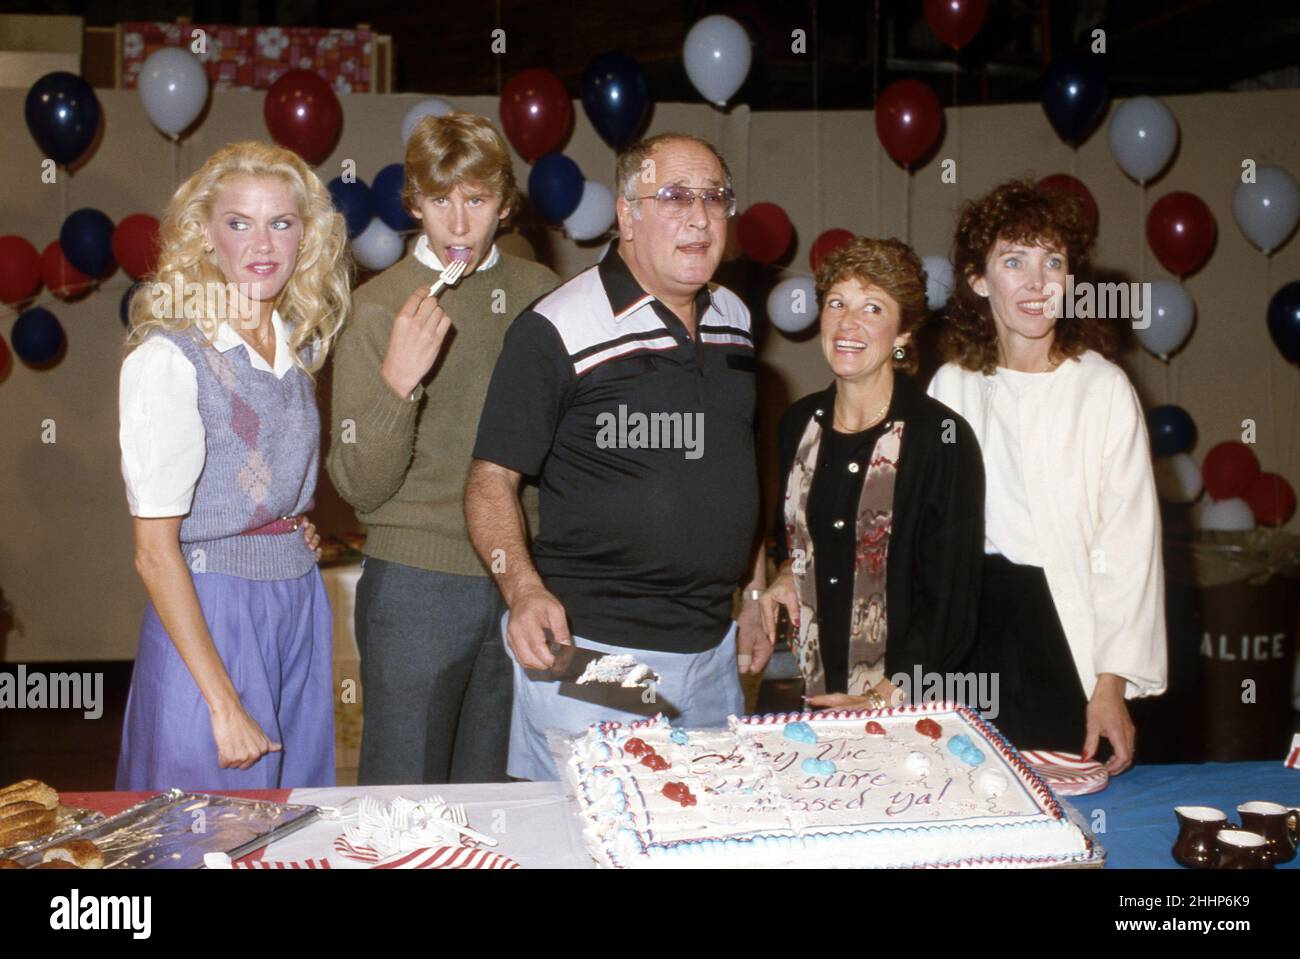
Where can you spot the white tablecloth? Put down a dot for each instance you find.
(534, 823)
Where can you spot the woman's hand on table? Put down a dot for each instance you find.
(311, 537)
(891, 694)
(240, 740)
(782, 593)
(1108, 718)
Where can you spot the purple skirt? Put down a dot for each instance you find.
(275, 638)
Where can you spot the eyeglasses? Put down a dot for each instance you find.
(675, 201)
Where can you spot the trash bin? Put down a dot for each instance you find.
(1235, 599)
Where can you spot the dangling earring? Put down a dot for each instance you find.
(899, 354)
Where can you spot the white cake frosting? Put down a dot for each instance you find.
(928, 785)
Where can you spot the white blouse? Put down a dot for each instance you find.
(1008, 525)
(160, 430)
(1085, 464)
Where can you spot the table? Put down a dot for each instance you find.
(1133, 816)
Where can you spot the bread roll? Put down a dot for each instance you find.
(27, 825)
(14, 808)
(30, 790)
(55, 864)
(80, 852)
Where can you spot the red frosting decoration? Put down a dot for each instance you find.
(654, 761)
(679, 793)
(636, 747)
(928, 727)
(875, 729)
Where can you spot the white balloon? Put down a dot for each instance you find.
(938, 281)
(1178, 478)
(1268, 209)
(1170, 313)
(1143, 135)
(433, 107)
(378, 246)
(173, 88)
(595, 213)
(716, 54)
(1225, 514)
(792, 304)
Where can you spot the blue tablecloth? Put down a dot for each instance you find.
(1139, 824)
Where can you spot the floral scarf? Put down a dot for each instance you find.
(868, 628)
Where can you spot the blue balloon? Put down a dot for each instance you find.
(555, 186)
(63, 115)
(1074, 96)
(1284, 320)
(37, 336)
(87, 241)
(387, 194)
(1172, 430)
(616, 97)
(354, 201)
(124, 308)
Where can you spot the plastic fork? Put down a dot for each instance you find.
(448, 277)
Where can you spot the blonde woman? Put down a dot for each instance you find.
(220, 441)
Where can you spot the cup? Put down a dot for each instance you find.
(1279, 826)
(1239, 849)
(1198, 827)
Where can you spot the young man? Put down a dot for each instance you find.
(435, 680)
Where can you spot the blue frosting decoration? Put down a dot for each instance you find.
(799, 732)
(679, 737)
(965, 750)
(817, 767)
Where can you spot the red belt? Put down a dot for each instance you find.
(285, 524)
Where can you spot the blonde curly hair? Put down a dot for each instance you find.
(317, 296)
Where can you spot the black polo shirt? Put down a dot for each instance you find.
(642, 440)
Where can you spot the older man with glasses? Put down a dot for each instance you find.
(629, 393)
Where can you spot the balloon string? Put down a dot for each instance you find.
(817, 132)
(875, 105)
(907, 206)
(176, 164)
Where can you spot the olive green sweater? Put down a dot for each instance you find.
(402, 463)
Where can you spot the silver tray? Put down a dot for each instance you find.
(176, 829)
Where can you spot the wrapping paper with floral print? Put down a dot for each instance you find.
(253, 58)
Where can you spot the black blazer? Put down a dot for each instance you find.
(936, 544)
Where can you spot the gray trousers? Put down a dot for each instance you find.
(435, 682)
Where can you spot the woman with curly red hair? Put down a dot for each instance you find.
(879, 526)
(1072, 609)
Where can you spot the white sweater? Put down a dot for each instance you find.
(1092, 496)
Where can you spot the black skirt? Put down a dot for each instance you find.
(1040, 700)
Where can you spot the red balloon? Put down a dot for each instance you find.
(536, 113)
(1064, 183)
(60, 277)
(303, 114)
(908, 120)
(135, 244)
(1271, 499)
(826, 244)
(1181, 231)
(20, 269)
(764, 232)
(1229, 469)
(956, 22)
